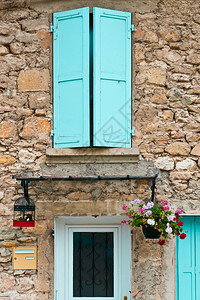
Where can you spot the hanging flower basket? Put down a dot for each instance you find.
(150, 232)
(156, 219)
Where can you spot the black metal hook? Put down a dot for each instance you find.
(25, 183)
(153, 188)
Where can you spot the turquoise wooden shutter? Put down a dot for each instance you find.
(197, 234)
(186, 262)
(71, 78)
(112, 78)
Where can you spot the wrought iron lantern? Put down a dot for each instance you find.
(24, 209)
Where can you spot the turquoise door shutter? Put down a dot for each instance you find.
(186, 260)
(112, 78)
(197, 238)
(71, 78)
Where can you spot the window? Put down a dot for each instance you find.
(92, 78)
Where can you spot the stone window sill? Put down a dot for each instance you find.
(92, 155)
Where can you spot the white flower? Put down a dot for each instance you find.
(131, 202)
(150, 204)
(150, 222)
(168, 230)
(148, 213)
(137, 201)
(170, 218)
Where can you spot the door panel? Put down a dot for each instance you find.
(93, 261)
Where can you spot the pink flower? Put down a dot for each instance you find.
(141, 210)
(166, 207)
(124, 207)
(130, 216)
(127, 223)
(164, 203)
(179, 211)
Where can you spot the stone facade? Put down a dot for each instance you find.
(166, 109)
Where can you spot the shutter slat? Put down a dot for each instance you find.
(112, 78)
(71, 78)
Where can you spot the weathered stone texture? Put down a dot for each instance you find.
(7, 130)
(7, 160)
(33, 80)
(166, 107)
(196, 150)
(178, 148)
(164, 163)
(152, 75)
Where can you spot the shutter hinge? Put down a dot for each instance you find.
(52, 133)
(52, 28)
(133, 27)
(133, 132)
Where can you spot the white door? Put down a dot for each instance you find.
(92, 258)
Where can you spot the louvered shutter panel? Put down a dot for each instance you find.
(186, 262)
(197, 233)
(71, 78)
(112, 78)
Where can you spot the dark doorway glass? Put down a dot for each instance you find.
(93, 264)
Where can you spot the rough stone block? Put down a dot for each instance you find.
(7, 160)
(6, 40)
(34, 25)
(152, 75)
(39, 100)
(7, 130)
(33, 80)
(16, 48)
(169, 34)
(159, 97)
(36, 127)
(194, 58)
(44, 38)
(186, 164)
(150, 37)
(26, 157)
(178, 148)
(146, 119)
(180, 175)
(7, 28)
(24, 37)
(196, 150)
(165, 163)
(10, 244)
(3, 50)
(170, 56)
(11, 62)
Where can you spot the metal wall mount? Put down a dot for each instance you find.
(26, 180)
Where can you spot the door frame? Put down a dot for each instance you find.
(177, 249)
(61, 250)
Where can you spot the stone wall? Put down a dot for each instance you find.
(166, 107)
